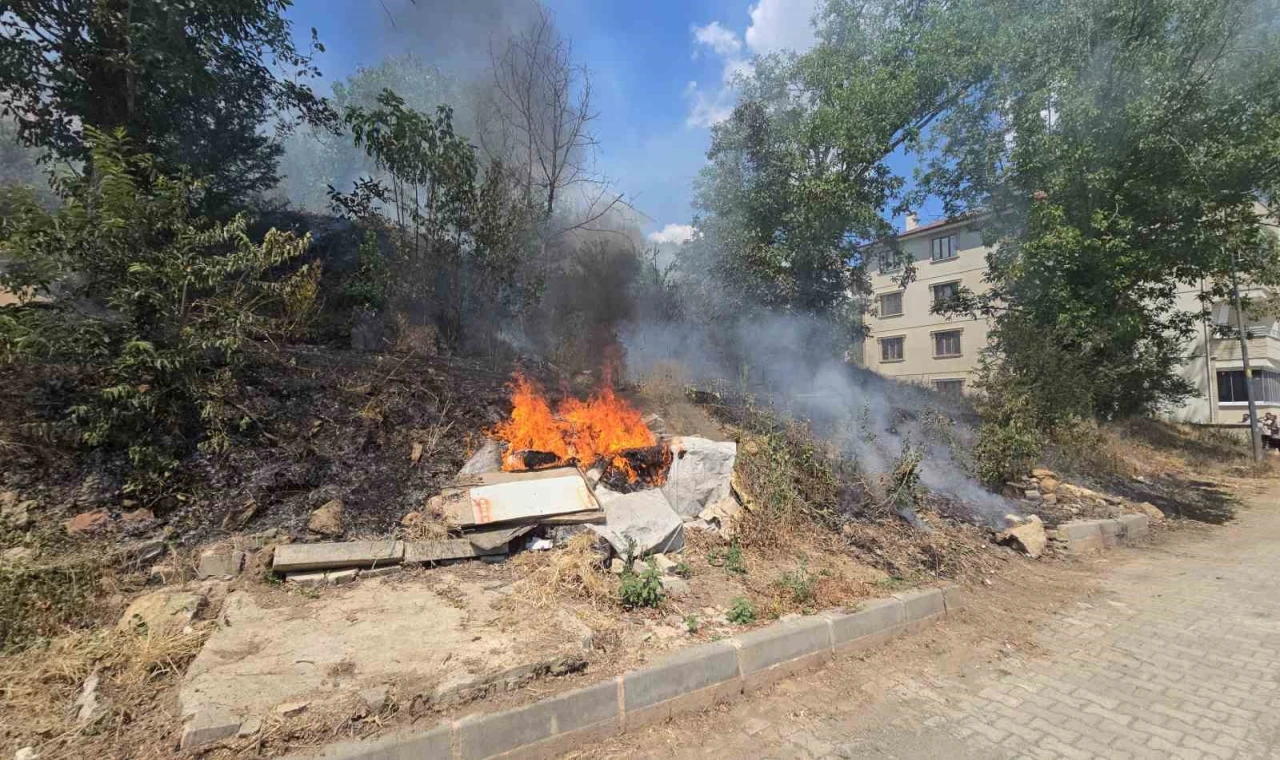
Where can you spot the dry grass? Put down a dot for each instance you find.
(38, 684)
(571, 573)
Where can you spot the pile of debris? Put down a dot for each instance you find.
(639, 494)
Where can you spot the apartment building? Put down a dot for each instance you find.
(909, 343)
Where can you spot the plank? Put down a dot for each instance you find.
(290, 558)
(451, 548)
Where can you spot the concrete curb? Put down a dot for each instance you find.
(689, 680)
(1084, 536)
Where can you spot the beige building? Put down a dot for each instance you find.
(908, 342)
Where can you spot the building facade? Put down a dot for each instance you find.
(908, 342)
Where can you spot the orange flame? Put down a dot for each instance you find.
(598, 428)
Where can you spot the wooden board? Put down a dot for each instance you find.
(526, 497)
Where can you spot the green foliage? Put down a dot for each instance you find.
(786, 468)
(367, 290)
(641, 589)
(800, 583)
(191, 83)
(691, 623)
(730, 559)
(741, 611)
(156, 308)
(43, 602)
(683, 569)
(1124, 145)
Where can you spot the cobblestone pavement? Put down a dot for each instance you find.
(1176, 656)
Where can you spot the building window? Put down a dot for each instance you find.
(891, 304)
(949, 387)
(944, 247)
(891, 349)
(946, 344)
(1266, 387)
(947, 291)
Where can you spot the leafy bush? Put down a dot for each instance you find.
(641, 589)
(741, 611)
(150, 308)
(682, 569)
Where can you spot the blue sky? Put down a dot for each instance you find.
(658, 70)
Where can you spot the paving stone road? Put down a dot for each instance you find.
(1178, 656)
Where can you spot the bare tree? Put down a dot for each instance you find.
(540, 114)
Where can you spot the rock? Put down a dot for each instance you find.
(721, 516)
(15, 513)
(236, 519)
(1049, 485)
(1011, 491)
(166, 573)
(616, 566)
(665, 564)
(290, 709)
(139, 518)
(1040, 472)
(250, 727)
(93, 491)
(327, 520)
(26, 753)
(1032, 496)
(381, 572)
(18, 554)
(488, 458)
(641, 523)
(209, 725)
(86, 706)
(339, 577)
(1028, 537)
(160, 612)
(86, 523)
(1149, 509)
(701, 474)
(140, 553)
(375, 699)
(220, 563)
(676, 587)
(1050, 498)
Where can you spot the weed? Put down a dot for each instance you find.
(742, 611)
(730, 559)
(643, 589)
(691, 623)
(682, 569)
(800, 583)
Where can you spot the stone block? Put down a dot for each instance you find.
(1135, 526)
(339, 577)
(324, 556)
(419, 552)
(381, 572)
(782, 643)
(921, 604)
(1112, 532)
(953, 598)
(219, 563)
(866, 626)
(208, 726)
(403, 746)
(490, 735)
(686, 671)
(1082, 529)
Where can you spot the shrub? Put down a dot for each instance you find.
(153, 309)
(641, 589)
(741, 611)
(730, 559)
(800, 583)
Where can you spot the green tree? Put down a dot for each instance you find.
(191, 83)
(1123, 147)
(156, 308)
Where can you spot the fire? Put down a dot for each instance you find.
(599, 428)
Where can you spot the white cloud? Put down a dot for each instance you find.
(775, 25)
(781, 25)
(716, 37)
(673, 233)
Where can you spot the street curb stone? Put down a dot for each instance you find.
(691, 679)
(1083, 536)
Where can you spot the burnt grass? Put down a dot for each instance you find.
(318, 424)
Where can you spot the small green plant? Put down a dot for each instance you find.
(742, 611)
(682, 569)
(641, 589)
(691, 623)
(800, 583)
(730, 559)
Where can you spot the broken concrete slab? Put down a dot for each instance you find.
(450, 548)
(381, 572)
(488, 458)
(291, 558)
(209, 725)
(339, 577)
(441, 634)
(504, 497)
(641, 523)
(160, 612)
(701, 474)
(491, 540)
(220, 563)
